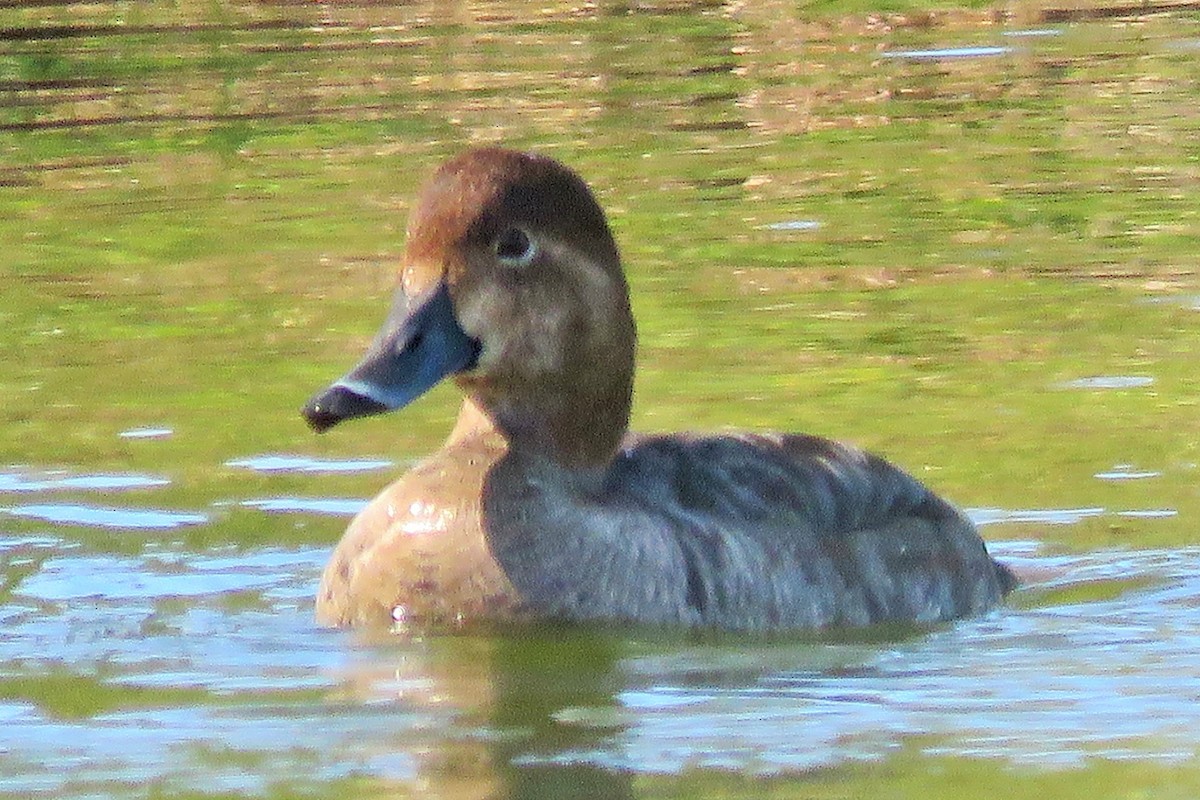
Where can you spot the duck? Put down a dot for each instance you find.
(541, 505)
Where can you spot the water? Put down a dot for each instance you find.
(962, 238)
(282, 463)
(210, 663)
(105, 517)
(22, 481)
(950, 52)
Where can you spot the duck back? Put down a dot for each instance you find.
(752, 532)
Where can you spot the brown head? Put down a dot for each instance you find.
(512, 283)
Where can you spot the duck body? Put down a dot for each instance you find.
(737, 531)
(540, 504)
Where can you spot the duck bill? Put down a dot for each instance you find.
(420, 343)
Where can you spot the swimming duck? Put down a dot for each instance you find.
(541, 504)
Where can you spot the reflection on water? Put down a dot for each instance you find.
(344, 507)
(1110, 382)
(1035, 686)
(105, 516)
(948, 52)
(1033, 32)
(1149, 513)
(794, 225)
(1126, 472)
(1044, 516)
(26, 481)
(281, 463)
(146, 433)
(216, 656)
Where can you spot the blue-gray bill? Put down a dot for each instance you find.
(420, 343)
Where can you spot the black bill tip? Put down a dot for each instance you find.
(338, 403)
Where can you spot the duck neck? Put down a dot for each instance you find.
(576, 426)
(472, 423)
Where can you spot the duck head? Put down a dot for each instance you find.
(511, 283)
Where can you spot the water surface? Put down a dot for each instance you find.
(961, 236)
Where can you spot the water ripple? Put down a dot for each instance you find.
(1108, 382)
(284, 463)
(949, 52)
(1046, 516)
(1029, 685)
(1035, 687)
(106, 517)
(1033, 32)
(1124, 472)
(793, 225)
(54, 481)
(146, 433)
(341, 507)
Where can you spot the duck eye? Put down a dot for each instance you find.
(515, 248)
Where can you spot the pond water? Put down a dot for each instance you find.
(961, 236)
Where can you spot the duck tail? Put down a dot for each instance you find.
(1008, 578)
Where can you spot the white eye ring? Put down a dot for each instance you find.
(515, 248)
